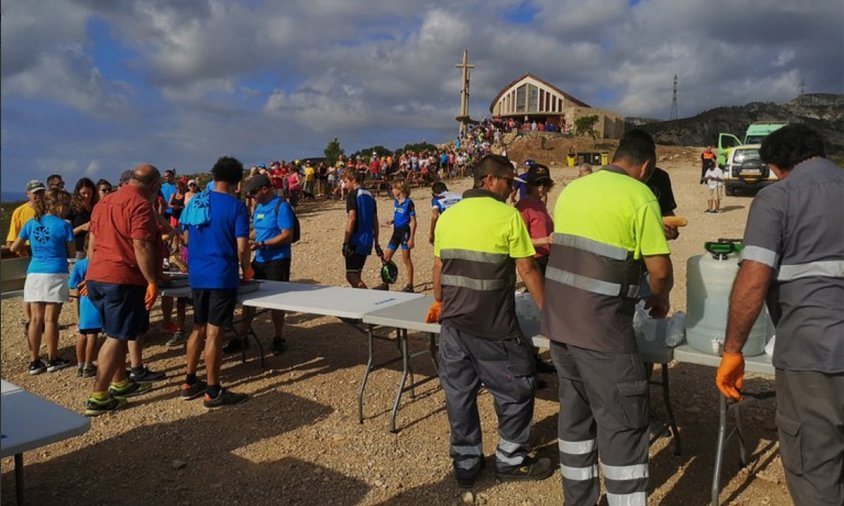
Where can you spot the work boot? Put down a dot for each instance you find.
(531, 469)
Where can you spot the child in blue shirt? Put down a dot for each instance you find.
(404, 230)
(90, 323)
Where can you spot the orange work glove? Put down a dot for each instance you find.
(434, 311)
(82, 288)
(248, 274)
(730, 376)
(151, 295)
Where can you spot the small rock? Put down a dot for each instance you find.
(467, 497)
(179, 464)
(483, 499)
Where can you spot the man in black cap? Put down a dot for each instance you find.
(273, 222)
(533, 209)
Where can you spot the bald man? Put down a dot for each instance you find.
(122, 281)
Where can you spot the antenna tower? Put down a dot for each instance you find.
(673, 114)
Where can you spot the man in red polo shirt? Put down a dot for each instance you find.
(122, 281)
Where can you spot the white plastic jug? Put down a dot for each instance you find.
(709, 281)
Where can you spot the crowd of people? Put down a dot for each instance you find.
(603, 249)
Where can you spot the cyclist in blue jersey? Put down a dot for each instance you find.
(442, 199)
(404, 230)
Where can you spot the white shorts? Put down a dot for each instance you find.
(46, 288)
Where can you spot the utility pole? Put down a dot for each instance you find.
(674, 113)
(463, 119)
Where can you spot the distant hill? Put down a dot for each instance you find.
(821, 111)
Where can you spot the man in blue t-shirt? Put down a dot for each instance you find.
(273, 223)
(442, 199)
(361, 228)
(215, 249)
(168, 188)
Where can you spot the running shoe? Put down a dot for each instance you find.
(146, 375)
(234, 346)
(408, 288)
(531, 469)
(130, 390)
(193, 391)
(80, 370)
(223, 399)
(279, 346)
(90, 371)
(177, 340)
(58, 364)
(171, 328)
(37, 367)
(94, 407)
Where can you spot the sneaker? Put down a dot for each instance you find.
(79, 370)
(193, 391)
(177, 340)
(90, 371)
(171, 328)
(531, 469)
(37, 367)
(234, 346)
(94, 407)
(224, 398)
(466, 477)
(382, 286)
(147, 376)
(58, 364)
(408, 288)
(279, 346)
(130, 390)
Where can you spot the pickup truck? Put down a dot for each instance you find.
(755, 134)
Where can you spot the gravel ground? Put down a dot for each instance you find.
(297, 440)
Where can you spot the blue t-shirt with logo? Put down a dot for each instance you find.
(212, 248)
(48, 238)
(363, 235)
(89, 317)
(402, 212)
(269, 220)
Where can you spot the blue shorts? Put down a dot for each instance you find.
(121, 308)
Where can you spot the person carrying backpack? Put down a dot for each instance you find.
(274, 230)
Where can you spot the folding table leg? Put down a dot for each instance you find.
(365, 373)
(740, 433)
(432, 347)
(405, 362)
(19, 492)
(666, 399)
(719, 450)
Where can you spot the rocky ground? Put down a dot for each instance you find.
(297, 439)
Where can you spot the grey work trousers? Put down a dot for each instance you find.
(810, 423)
(506, 369)
(603, 408)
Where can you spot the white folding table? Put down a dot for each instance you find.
(760, 364)
(410, 316)
(28, 422)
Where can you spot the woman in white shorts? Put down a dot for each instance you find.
(46, 289)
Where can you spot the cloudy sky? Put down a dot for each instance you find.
(92, 87)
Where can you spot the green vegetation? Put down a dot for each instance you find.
(332, 152)
(585, 125)
(366, 153)
(418, 147)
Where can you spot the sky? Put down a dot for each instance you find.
(91, 88)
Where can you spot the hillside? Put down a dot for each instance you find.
(822, 112)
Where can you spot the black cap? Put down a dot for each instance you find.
(538, 174)
(257, 182)
(125, 176)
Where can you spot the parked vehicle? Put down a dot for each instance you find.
(744, 170)
(755, 134)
